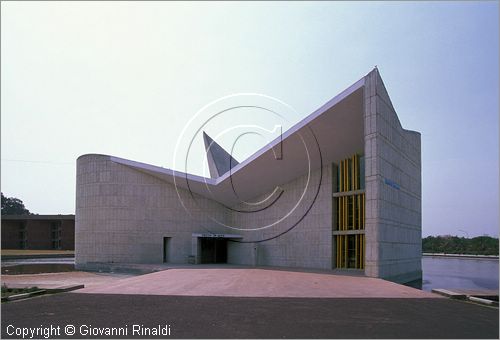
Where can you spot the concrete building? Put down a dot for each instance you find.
(38, 232)
(341, 190)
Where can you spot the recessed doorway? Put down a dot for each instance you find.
(213, 250)
(166, 249)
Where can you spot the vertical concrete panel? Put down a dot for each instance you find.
(394, 232)
(308, 243)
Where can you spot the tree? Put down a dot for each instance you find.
(481, 245)
(13, 206)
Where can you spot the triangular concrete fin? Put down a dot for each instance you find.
(381, 90)
(219, 160)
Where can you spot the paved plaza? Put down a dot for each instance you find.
(239, 282)
(226, 302)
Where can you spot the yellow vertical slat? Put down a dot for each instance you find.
(345, 251)
(345, 213)
(356, 251)
(342, 213)
(354, 212)
(338, 213)
(356, 201)
(359, 212)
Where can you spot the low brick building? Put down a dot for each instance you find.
(38, 232)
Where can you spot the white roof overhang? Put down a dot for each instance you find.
(328, 135)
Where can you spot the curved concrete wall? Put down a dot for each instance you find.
(123, 214)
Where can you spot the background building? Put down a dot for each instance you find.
(40, 232)
(344, 195)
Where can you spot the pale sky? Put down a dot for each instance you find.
(125, 78)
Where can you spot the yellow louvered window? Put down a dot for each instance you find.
(349, 206)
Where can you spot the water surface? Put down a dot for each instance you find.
(461, 273)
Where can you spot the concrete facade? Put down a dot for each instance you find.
(393, 189)
(129, 212)
(123, 215)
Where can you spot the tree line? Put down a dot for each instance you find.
(13, 206)
(481, 245)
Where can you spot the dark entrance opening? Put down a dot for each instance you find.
(166, 241)
(213, 250)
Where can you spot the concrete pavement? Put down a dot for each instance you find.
(244, 317)
(256, 283)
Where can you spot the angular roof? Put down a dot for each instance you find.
(331, 133)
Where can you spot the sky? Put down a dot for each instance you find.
(124, 78)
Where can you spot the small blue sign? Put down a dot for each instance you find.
(392, 183)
